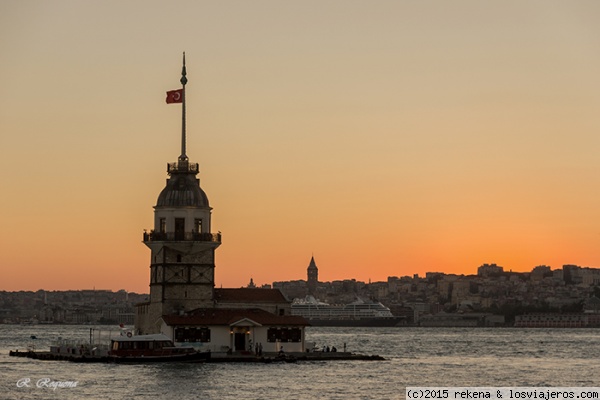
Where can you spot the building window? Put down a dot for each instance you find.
(178, 257)
(192, 335)
(295, 335)
(162, 225)
(198, 226)
(284, 335)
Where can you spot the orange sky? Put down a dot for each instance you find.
(386, 138)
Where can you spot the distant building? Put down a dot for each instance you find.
(292, 289)
(460, 320)
(592, 305)
(540, 272)
(554, 320)
(487, 270)
(590, 276)
(312, 276)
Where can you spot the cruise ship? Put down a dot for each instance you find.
(357, 313)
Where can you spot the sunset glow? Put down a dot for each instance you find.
(385, 138)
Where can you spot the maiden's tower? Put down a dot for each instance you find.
(182, 261)
(183, 302)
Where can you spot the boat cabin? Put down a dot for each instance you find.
(146, 346)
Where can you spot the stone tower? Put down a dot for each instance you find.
(312, 275)
(182, 261)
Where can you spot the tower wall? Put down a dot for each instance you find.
(189, 214)
(182, 259)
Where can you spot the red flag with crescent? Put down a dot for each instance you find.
(175, 96)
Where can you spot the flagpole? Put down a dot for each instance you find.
(183, 156)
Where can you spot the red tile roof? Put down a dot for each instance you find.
(245, 295)
(229, 316)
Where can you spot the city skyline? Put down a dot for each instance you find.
(494, 268)
(385, 139)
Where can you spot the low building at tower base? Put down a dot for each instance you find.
(228, 331)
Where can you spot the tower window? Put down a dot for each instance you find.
(198, 225)
(179, 228)
(178, 257)
(162, 227)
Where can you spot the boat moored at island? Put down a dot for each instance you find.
(126, 348)
(152, 348)
(358, 313)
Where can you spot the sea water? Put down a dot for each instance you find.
(414, 357)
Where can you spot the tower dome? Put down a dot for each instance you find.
(183, 189)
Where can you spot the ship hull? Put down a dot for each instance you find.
(363, 322)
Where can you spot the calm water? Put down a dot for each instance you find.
(415, 357)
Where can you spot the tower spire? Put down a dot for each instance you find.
(183, 157)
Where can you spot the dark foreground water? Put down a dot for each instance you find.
(415, 357)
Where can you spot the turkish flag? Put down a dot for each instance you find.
(175, 96)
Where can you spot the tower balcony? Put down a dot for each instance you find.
(183, 166)
(153, 236)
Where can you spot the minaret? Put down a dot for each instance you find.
(313, 276)
(182, 246)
